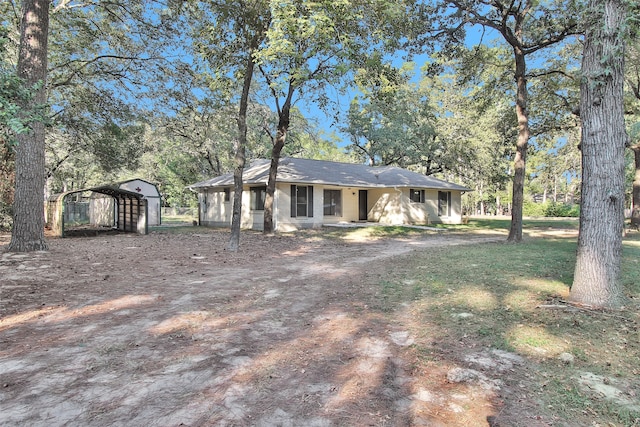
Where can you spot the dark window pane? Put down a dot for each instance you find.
(258, 195)
(444, 200)
(416, 195)
(301, 200)
(332, 202)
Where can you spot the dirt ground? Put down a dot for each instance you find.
(169, 329)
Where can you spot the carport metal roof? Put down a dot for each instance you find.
(129, 214)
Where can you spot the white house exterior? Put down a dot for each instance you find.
(312, 193)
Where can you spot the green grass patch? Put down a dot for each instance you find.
(174, 229)
(483, 223)
(175, 224)
(366, 233)
(178, 219)
(504, 224)
(510, 297)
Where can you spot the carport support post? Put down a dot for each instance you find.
(143, 211)
(61, 210)
(131, 212)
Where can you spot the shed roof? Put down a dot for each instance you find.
(108, 189)
(305, 171)
(148, 189)
(115, 191)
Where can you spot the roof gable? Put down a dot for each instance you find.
(141, 186)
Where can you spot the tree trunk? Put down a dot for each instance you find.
(28, 204)
(281, 135)
(240, 157)
(520, 160)
(635, 201)
(596, 281)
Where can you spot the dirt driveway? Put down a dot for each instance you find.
(172, 330)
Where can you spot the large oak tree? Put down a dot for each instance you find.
(527, 27)
(28, 212)
(596, 281)
(311, 47)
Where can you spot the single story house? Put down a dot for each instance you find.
(312, 193)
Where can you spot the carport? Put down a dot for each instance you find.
(129, 210)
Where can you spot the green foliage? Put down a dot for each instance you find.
(11, 90)
(562, 210)
(14, 94)
(106, 72)
(117, 147)
(477, 135)
(103, 55)
(482, 77)
(394, 124)
(7, 176)
(550, 209)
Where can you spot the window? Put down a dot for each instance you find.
(258, 195)
(332, 202)
(416, 196)
(227, 194)
(444, 203)
(301, 200)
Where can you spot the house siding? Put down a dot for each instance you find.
(394, 206)
(388, 206)
(372, 199)
(214, 211)
(431, 200)
(349, 211)
(283, 219)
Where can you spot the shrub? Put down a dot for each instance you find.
(531, 208)
(550, 209)
(6, 217)
(562, 210)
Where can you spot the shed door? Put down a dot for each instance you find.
(362, 205)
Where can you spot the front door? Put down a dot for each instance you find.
(362, 205)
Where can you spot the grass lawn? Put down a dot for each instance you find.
(178, 219)
(489, 223)
(511, 297)
(176, 223)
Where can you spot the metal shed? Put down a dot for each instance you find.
(130, 210)
(151, 194)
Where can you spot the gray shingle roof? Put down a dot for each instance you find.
(304, 171)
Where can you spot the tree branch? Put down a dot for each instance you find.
(548, 73)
